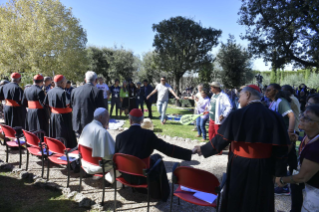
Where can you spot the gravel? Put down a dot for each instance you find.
(91, 193)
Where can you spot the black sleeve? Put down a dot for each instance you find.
(117, 144)
(280, 157)
(24, 100)
(214, 146)
(1, 93)
(41, 97)
(170, 149)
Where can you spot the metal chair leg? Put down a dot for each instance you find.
(7, 157)
(115, 191)
(148, 199)
(68, 175)
(80, 180)
(20, 156)
(48, 170)
(27, 161)
(42, 166)
(103, 194)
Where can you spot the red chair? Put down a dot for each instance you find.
(196, 179)
(11, 134)
(57, 147)
(85, 153)
(34, 146)
(132, 165)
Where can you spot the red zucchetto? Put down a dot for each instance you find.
(38, 77)
(254, 87)
(136, 113)
(15, 76)
(58, 78)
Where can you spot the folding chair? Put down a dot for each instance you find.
(196, 179)
(85, 154)
(59, 150)
(34, 146)
(11, 134)
(132, 165)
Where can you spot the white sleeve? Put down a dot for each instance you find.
(106, 87)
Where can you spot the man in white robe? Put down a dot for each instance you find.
(96, 137)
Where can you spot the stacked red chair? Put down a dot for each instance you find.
(12, 140)
(196, 179)
(132, 165)
(58, 148)
(35, 146)
(85, 154)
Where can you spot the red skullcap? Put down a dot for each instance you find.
(15, 76)
(38, 77)
(136, 113)
(254, 87)
(58, 78)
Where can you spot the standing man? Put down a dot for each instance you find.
(147, 90)
(14, 110)
(140, 97)
(84, 100)
(105, 89)
(33, 98)
(47, 84)
(115, 91)
(220, 107)
(162, 90)
(61, 112)
(68, 87)
(259, 146)
(132, 95)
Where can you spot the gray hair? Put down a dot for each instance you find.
(47, 78)
(253, 92)
(15, 80)
(136, 119)
(90, 76)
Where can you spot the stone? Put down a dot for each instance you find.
(175, 138)
(180, 139)
(188, 140)
(16, 170)
(195, 141)
(6, 167)
(86, 203)
(66, 191)
(24, 175)
(168, 137)
(78, 197)
(97, 207)
(71, 195)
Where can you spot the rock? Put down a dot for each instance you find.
(195, 141)
(188, 140)
(6, 167)
(66, 191)
(86, 203)
(97, 207)
(180, 139)
(24, 175)
(168, 137)
(16, 170)
(78, 197)
(175, 138)
(120, 129)
(71, 195)
(159, 134)
(40, 183)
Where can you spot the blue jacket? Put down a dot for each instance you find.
(147, 90)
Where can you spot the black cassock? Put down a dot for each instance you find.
(14, 110)
(141, 143)
(61, 116)
(37, 118)
(258, 151)
(84, 100)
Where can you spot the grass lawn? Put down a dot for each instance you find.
(17, 195)
(171, 128)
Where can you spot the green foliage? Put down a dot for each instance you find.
(313, 81)
(235, 62)
(273, 76)
(293, 80)
(282, 31)
(183, 45)
(205, 73)
(41, 36)
(307, 74)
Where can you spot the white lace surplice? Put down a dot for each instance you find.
(311, 200)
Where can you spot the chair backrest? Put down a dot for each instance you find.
(31, 138)
(9, 132)
(129, 164)
(197, 179)
(54, 145)
(86, 154)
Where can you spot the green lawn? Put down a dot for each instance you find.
(171, 128)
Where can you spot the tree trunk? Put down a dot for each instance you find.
(176, 90)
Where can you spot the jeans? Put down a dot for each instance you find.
(140, 104)
(201, 126)
(161, 108)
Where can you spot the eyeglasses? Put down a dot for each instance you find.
(307, 119)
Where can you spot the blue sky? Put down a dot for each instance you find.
(128, 23)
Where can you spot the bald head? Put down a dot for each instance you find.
(102, 115)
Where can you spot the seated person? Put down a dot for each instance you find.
(96, 137)
(141, 143)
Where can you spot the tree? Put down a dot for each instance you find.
(282, 31)
(41, 36)
(97, 61)
(183, 45)
(235, 62)
(205, 73)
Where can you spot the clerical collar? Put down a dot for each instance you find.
(254, 101)
(135, 124)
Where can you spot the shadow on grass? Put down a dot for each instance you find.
(157, 130)
(16, 195)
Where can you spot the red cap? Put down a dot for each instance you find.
(254, 87)
(38, 77)
(15, 76)
(58, 78)
(136, 113)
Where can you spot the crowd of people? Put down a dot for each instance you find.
(260, 127)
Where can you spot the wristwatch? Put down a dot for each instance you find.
(282, 182)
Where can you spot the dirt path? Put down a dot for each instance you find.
(127, 200)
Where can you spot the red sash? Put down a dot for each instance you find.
(251, 150)
(12, 103)
(34, 105)
(61, 110)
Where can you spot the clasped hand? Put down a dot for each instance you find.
(197, 150)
